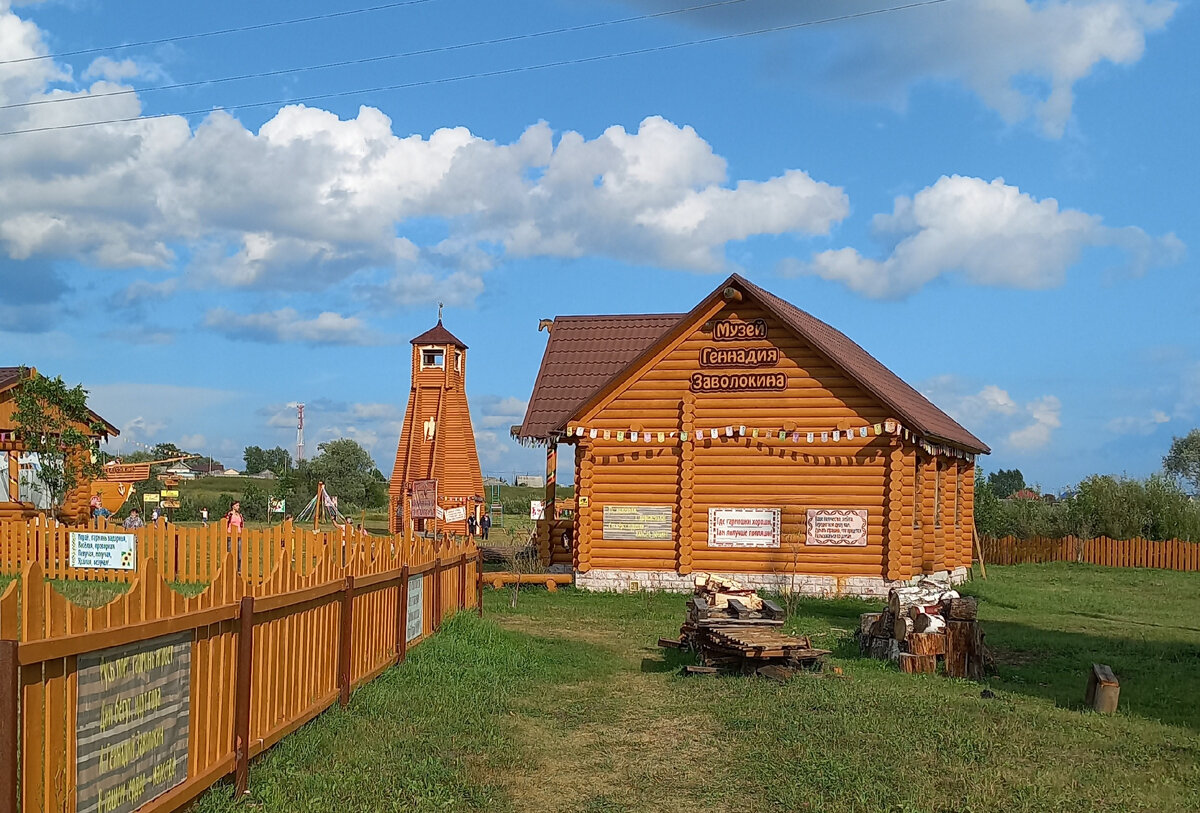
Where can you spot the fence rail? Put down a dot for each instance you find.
(267, 649)
(1172, 554)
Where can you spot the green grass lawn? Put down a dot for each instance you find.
(566, 704)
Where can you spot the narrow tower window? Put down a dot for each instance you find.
(433, 357)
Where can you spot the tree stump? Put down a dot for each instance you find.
(918, 664)
(1103, 689)
(964, 650)
(929, 643)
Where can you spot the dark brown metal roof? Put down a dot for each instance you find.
(439, 335)
(9, 376)
(593, 351)
(911, 406)
(582, 355)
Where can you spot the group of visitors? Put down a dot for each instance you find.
(481, 527)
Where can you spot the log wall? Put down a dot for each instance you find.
(910, 531)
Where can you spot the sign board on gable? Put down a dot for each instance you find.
(423, 503)
(743, 527)
(416, 608)
(132, 717)
(537, 509)
(107, 551)
(837, 526)
(649, 522)
(458, 514)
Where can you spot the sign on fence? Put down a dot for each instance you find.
(458, 514)
(837, 526)
(651, 522)
(276, 505)
(131, 740)
(107, 551)
(743, 527)
(423, 503)
(416, 608)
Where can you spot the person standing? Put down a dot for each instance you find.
(234, 521)
(154, 516)
(485, 524)
(204, 516)
(471, 527)
(133, 521)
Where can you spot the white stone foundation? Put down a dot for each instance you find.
(624, 581)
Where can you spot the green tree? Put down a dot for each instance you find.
(255, 458)
(348, 472)
(1006, 482)
(54, 424)
(278, 460)
(1183, 460)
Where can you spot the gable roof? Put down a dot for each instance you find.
(11, 376)
(439, 335)
(582, 355)
(912, 408)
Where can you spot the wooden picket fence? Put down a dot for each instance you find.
(270, 649)
(184, 554)
(1172, 554)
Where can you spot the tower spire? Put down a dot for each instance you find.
(439, 312)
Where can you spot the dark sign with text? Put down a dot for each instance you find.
(132, 714)
(739, 356)
(738, 382)
(423, 502)
(736, 330)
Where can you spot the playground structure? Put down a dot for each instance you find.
(323, 507)
(436, 456)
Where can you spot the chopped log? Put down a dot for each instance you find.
(961, 609)
(964, 650)
(1103, 690)
(883, 625)
(866, 621)
(918, 664)
(917, 610)
(929, 623)
(902, 628)
(884, 649)
(927, 643)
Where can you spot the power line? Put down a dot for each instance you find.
(493, 73)
(219, 32)
(381, 58)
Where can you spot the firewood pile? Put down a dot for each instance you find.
(923, 625)
(733, 629)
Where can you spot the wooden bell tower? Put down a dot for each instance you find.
(437, 442)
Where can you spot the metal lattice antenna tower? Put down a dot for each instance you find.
(299, 432)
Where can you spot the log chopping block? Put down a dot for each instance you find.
(918, 664)
(964, 650)
(1103, 689)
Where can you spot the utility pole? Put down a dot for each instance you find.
(299, 432)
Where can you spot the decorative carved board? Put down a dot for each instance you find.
(843, 527)
(423, 502)
(650, 522)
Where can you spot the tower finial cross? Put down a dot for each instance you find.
(439, 311)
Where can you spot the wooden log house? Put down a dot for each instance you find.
(16, 499)
(746, 438)
(437, 441)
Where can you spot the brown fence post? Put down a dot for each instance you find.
(344, 641)
(402, 617)
(241, 714)
(10, 726)
(437, 592)
(479, 582)
(462, 581)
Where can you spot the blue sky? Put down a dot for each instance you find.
(997, 199)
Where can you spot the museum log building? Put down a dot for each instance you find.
(748, 438)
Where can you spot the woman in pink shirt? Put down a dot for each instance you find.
(234, 519)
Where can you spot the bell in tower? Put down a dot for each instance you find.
(437, 444)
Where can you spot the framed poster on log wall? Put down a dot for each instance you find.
(423, 502)
(842, 527)
(632, 522)
(743, 527)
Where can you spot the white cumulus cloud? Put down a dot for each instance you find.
(989, 233)
(991, 412)
(310, 200)
(287, 325)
